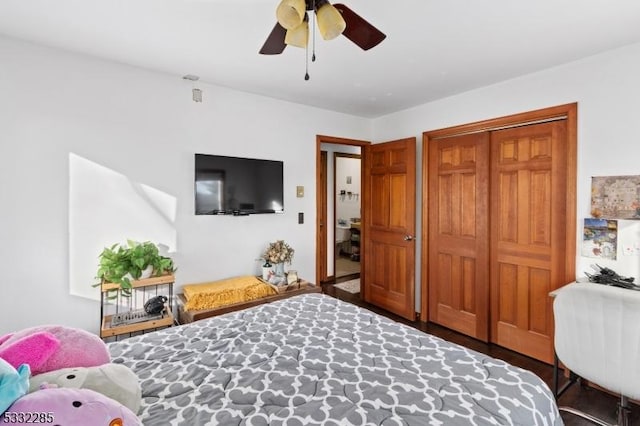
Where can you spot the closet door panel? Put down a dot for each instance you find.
(458, 233)
(500, 226)
(528, 189)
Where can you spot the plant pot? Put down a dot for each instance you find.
(146, 273)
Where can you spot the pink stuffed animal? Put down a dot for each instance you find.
(52, 347)
(68, 407)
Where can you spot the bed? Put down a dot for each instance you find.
(313, 359)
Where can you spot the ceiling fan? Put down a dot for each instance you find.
(292, 27)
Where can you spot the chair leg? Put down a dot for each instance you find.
(623, 411)
(558, 391)
(585, 416)
(623, 414)
(555, 376)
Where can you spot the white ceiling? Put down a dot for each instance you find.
(434, 48)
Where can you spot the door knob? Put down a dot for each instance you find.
(409, 237)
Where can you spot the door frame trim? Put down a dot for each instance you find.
(320, 139)
(568, 112)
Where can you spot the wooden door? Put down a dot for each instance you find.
(388, 252)
(458, 185)
(528, 234)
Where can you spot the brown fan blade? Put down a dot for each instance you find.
(274, 45)
(358, 30)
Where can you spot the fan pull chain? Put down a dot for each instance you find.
(306, 62)
(306, 48)
(315, 18)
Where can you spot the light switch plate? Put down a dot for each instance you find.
(299, 191)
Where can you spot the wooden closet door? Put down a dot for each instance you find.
(528, 234)
(458, 233)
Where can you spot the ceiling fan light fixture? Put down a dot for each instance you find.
(290, 13)
(299, 36)
(330, 21)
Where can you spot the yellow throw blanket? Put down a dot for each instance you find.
(224, 292)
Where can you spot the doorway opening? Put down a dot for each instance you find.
(339, 197)
(347, 170)
(388, 200)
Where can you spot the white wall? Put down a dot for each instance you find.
(145, 126)
(607, 89)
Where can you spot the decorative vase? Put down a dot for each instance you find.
(278, 269)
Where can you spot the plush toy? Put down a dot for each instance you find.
(116, 381)
(68, 407)
(52, 347)
(34, 350)
(13, 383)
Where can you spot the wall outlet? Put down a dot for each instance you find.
(299, 191)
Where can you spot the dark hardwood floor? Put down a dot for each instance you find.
(584, 398)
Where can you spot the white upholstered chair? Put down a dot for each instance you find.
(597, 337)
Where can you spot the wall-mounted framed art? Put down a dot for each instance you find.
(615, 197)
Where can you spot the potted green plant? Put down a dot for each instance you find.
(121, 264)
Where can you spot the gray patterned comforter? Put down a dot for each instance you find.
(312, 360)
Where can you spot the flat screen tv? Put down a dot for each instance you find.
(237, 186)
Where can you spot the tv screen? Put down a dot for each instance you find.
(239, 186)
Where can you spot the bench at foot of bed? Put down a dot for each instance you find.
(186, 316)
